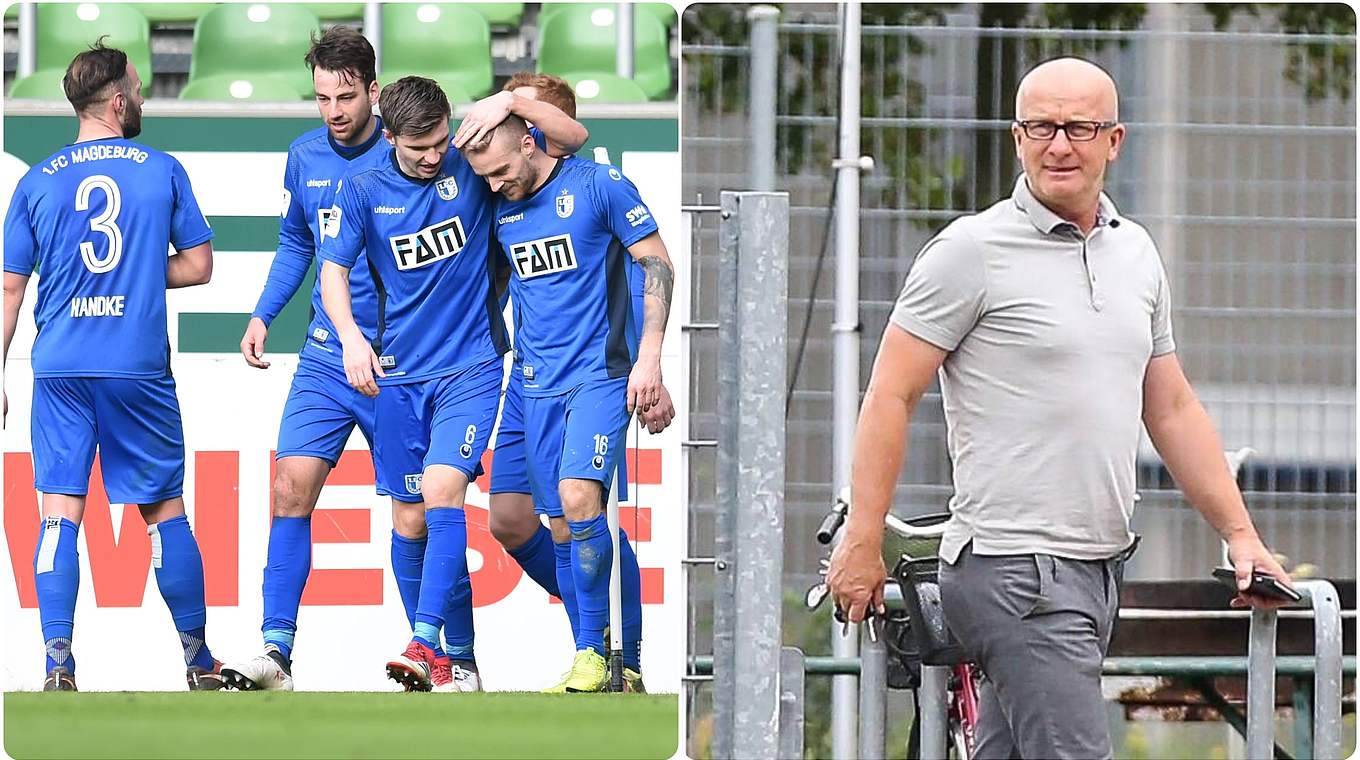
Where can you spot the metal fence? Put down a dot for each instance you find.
(1240, 159)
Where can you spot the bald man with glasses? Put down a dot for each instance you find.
(1047, 317)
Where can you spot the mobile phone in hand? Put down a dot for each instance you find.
(1262, 585)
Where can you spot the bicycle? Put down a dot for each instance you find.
(913, 627)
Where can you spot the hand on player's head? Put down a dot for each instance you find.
(483, 117)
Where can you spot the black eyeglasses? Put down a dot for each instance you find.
(1077, 131)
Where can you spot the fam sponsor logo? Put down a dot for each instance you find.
(535, 258)
(328, 220)
(97, 306)
(287, 203)
(440, 241)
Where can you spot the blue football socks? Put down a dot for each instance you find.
(179, 575)
(56, 572)
(408, 561)
(592, 551)
(539, 560)
(445, 562)
(630, 587)
(285, 575)
(458, 630)
(566, 586)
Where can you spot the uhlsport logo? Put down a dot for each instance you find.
(441, 240)
(534, 258)
(413, 483)
(566, 203)
(447, 187)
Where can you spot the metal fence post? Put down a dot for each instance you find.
(934, 697)
(1327, 667)
(749, 541)
(373, 30)
(873, 696)
(28, 36)
(764, 69)
(845, 347)
(1261, 684)
(792, 682)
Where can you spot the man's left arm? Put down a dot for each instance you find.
(563, 134)
(644, 384)
(1185, 438)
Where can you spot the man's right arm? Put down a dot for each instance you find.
(341, 241)
(903, 371)
(286, 273)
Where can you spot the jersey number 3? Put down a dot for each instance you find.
(106, 222)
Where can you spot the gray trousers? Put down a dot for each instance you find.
(1039, 626)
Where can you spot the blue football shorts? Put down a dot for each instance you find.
(134, 423)
(446, 420)
(321, 411)
(578, 434)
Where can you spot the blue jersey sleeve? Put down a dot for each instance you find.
(188, 227)
(296, 247)
(540, 139)
(342, 239)
(621, 207)
(21, 247)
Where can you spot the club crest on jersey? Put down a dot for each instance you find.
(413, 483)
(441, 240)
(566, 203)
(447, 188)
(535, 258)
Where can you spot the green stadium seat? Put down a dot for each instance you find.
(499, 14)
(40, 85)
(663, 12)
(173, 13)
(249, 41)
(445, 42)
(231, 87)
(336, 11)
(67, 29)
(12, 12)
(582, 39)
(452, 89)
(602, 87)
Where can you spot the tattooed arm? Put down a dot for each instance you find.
(644, 384)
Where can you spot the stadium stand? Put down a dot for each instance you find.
(230, 87)
(602, 87)
(469, 48)
(452, 89)
(661, 11)
(581, 38)
(248, 41)
(161, 14)
(446, 42)
(67, 29)
(500, 15)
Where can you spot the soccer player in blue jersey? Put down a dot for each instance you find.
(322, 409)
(96, 219)
(568, 227)
(425, 220)
(545, 553)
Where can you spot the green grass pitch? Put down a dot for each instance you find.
(340, 725)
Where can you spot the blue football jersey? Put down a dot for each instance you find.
(429, 245)
(96, 220)
(316, 162)
(567, 249)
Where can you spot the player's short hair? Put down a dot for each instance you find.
(413, 106)
(513, 128)
(551, 90)
(343, 50)
(94, 75)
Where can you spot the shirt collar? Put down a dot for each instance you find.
(1045, 220)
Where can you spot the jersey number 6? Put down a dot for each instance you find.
(106, 222)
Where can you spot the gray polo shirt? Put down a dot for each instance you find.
(1049, 334)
